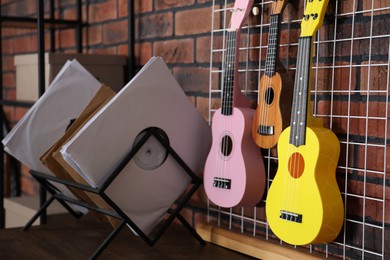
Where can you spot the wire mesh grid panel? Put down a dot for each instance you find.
(349, 92)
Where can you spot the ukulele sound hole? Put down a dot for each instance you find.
(269, 95)
(296, 165)
(226, 145)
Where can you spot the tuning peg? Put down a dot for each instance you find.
(255, 10)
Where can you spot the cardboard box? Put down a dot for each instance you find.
(108, 69)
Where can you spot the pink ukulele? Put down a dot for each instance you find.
(234, 172)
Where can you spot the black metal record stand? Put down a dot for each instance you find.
(173, 212)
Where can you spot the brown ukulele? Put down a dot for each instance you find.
(275, 90)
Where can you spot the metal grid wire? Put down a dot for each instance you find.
(350, 92)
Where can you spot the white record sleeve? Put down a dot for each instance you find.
(46, 121)
(143, 190)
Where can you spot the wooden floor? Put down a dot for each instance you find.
(67, 238)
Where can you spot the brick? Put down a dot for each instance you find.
(370, 189)
(215, 104)
(6, 1)
(8, 63)
(94, 35)
(169, 4)
(254, 40)
(288, 53)
(175, 51)
(370, 164)
(203, 45)
(294, 11)
(123, 49)
(143, 6)
(288, 36)
(203, 49)
(217, 57)
(368, 5)
(363, 29)
(21, 8)
(26, 44)
(65, 3)
(67, 38)
(20, 112)
(105, 50)
(9, 112)
(7, 46)
(139, 7)
(155, 26)
(57, 41)
(115, 32)
(193, 79)
(69, 14)
(373, 209)
(376, 127)
(123, 6)
(340, 78)
(373, 78)
(99, 12)
(192, 99)
(28, 185)
(202, 104)
(248, 80)
(193, 21)
(215, 77)
(9, 93)
(260, 39)
(347, 6)
(6, 32)
(9, 79)
(143, 52)
(361, 50)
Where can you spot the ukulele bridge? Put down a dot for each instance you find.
(291, 216)
(265, 129)
(222, 183)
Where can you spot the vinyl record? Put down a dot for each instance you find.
(152, 154)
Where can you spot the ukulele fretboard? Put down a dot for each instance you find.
(301, 92)
(273, 42)
(229, 73)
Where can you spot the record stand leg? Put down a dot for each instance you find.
(47, 186)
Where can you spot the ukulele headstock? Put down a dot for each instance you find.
(313, 16)
(278, 6)
(240, 12)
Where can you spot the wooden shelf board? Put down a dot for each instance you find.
(252, 246)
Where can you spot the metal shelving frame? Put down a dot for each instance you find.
(41, 24)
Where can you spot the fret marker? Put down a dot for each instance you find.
(298, 112)
(300, 78)
(300, 93)
(301, 123)
(294, 123)
(296, 137)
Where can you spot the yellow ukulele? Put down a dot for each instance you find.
(304, 204)
(275, 89)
